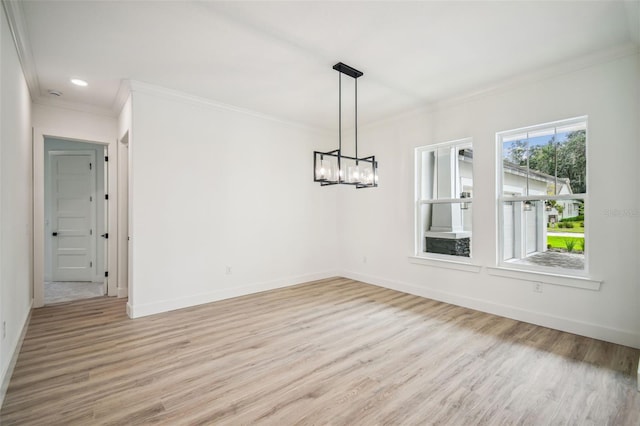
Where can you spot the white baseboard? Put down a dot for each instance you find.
(123, 292)
(6, 375)
(136, 311)
(608, 334)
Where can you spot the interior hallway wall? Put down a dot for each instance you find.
(15, 202)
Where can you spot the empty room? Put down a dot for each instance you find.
(320, 212)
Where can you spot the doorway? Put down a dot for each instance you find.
(75, 220)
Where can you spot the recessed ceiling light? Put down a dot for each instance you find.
(79, 82)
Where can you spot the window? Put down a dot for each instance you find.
(542, 194)
(444, 187)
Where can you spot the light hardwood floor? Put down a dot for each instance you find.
(330, 352)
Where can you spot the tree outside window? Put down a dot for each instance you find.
(542, 197)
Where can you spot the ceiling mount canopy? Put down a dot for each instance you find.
(346, 69)
(332, 167)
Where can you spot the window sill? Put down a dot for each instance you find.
(445, 263)
(547, 278)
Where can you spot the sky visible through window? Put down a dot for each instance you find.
(508, 147)
(561, 155)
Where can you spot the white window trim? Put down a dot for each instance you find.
(435, 259)
(445, 261)
(558, 276)
(586, 283)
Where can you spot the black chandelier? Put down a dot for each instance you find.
(332, 167)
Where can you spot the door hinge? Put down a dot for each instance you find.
(90, 231)
(90, 199)
(106, 196)
(90, 166)
(106, 158)
(106, 274)
(90, 264)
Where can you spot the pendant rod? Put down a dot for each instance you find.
(356, 85)
(339, 124)
(339, 111)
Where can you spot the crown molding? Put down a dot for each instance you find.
(124, 91)
(543, 73)
(176, 95)
(75, 106)
(18, 27)
(564, 67)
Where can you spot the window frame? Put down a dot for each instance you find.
(426, 258)
(501, 199)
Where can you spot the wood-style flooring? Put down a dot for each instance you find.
(329, 352)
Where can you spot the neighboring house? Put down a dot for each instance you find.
(515, 183)
(525, 223)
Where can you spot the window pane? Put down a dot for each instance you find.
(447, 172)
(465, 172)
(514, 167)
(446, 228)
(428, 178)
(572, 162)
(446, 175)
(545, 161)
(548, 233)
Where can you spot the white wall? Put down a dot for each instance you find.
(215, 187)
(378, 223)
(75, 124)
(15, 202)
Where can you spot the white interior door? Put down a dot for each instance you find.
(73, 181)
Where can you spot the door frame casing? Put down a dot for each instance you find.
(123, 215)
(39, 135)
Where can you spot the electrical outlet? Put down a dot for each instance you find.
(228, 270)
(537, 287)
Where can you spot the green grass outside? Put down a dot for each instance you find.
(576, 230)
(560, 242)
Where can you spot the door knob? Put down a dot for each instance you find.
(55, 234)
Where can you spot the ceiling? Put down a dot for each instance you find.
(276, 57)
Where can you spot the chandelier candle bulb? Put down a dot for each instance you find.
(323, 172)
(353, 174)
